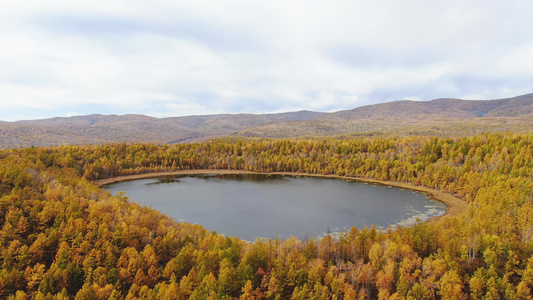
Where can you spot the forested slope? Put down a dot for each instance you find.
(63, 237)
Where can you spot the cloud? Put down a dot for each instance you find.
(167, 58)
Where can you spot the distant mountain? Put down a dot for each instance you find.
(98, 129)
(440, 117)
(235, 122)
(89, 120)
(442, 108)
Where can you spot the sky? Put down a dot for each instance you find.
(176, 58)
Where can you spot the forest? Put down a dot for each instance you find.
(64, 237)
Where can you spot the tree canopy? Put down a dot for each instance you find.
(63, 237)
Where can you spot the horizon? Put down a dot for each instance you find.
(251, 113)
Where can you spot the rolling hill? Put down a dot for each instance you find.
(439, 117)
(100, 129)
(442, 108)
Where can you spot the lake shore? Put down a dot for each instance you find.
(455, 206)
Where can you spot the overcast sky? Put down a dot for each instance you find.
(175, 58)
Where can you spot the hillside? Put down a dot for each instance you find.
(100, 129)
(439, 117)
(441, 108)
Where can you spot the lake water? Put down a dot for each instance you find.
(252, 205)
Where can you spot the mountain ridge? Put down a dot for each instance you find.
(443, 116)
(444, 107)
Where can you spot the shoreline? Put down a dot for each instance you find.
(454, 205)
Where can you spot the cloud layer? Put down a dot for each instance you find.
(173, 58)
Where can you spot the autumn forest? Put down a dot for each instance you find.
(64, 237)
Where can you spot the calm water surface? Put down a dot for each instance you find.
(251, 206)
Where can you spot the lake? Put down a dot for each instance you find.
(255, 205)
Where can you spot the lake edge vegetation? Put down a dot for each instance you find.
(63, 237)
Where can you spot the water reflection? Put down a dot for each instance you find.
(256, 205)
(264, 178)
(164, 180)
